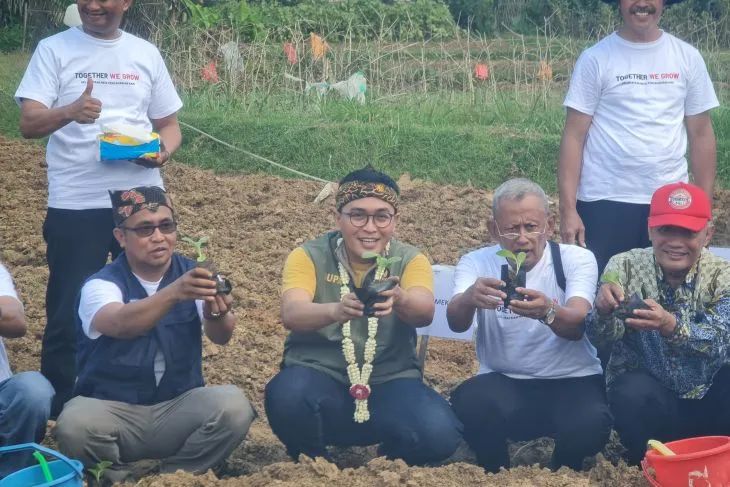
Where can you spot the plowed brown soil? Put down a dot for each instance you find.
(253, 222)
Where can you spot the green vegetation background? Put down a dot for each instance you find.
(425, 112)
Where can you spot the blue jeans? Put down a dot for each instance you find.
(25, 404)
(308, 410)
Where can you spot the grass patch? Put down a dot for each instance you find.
(480, 136)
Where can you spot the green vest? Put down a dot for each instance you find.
(395, 353)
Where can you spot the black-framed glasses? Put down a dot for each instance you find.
(529, 232)
(166, 227)
(360, 219)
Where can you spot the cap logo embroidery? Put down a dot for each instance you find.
(680, 199)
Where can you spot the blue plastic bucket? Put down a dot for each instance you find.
(65, 472)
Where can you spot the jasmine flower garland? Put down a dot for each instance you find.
(359, 377)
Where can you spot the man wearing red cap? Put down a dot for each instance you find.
(668, 376)
(637, 100)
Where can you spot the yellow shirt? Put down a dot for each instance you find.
(299, 273)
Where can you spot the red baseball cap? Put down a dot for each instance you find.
(681, 205)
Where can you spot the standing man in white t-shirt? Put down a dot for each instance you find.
(538, 374)
(77, 81)
(25, 398)
(636, 99)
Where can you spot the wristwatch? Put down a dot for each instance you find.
(549, 316)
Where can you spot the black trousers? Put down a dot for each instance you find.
(78, 243)
(494, 408)
(613, 227)
(644, 409)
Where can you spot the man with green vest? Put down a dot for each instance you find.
(352, 300)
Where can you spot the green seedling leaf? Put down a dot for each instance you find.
(610, 276)
(516, 260)
(198, 244)
(506, 254)
(98, 470)
(384, 262)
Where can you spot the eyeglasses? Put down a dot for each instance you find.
(359, 219)
(529, 232)
(166, 227)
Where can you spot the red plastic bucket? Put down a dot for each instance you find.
(699, 462)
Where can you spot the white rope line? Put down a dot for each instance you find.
(251, 154)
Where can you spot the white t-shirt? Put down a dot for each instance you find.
(97, 293)
(638, 95)
(524, 348)
(133, 85)
(6, 289)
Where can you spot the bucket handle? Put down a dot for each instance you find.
(48, 451)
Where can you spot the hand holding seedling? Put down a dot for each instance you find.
(85, 109)
(197, 283)
(486, 293)
(219, 307)
(610, 295)
(535, 305)
(348, 308)
(655, 318)
(384, 308)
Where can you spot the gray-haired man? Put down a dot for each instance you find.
(538, 375)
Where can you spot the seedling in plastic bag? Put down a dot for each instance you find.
(513, 274)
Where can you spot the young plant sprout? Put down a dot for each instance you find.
(381, 261)
(223, 285)
(98, 470)
(626, 308)
(198, 244)
(513, 275)
(611, 277)
(516, 260)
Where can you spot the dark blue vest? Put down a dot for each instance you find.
(123, 370)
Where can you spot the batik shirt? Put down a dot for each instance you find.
(687, 361)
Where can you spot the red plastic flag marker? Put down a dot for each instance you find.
(291, 52)
(209, 73)
(481, 71)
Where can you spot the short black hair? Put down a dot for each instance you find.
(369, 174)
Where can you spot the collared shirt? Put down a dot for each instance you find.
(687, 361)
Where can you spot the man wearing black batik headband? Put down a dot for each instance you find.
(140, 392)
(352, 300)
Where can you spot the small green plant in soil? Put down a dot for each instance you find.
(513, 274)
(626, 308)
(97, 471)
(223, 285)
(369, 292)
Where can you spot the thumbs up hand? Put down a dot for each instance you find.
(85, 109)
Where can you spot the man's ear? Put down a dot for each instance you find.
(710, 233)
(119, 235)
(337, 216)
(550, 226)
(492, 227)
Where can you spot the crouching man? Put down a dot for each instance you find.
(25, 398)
(538, 374)
(351, 377)
(140, 392)
(668, 376)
